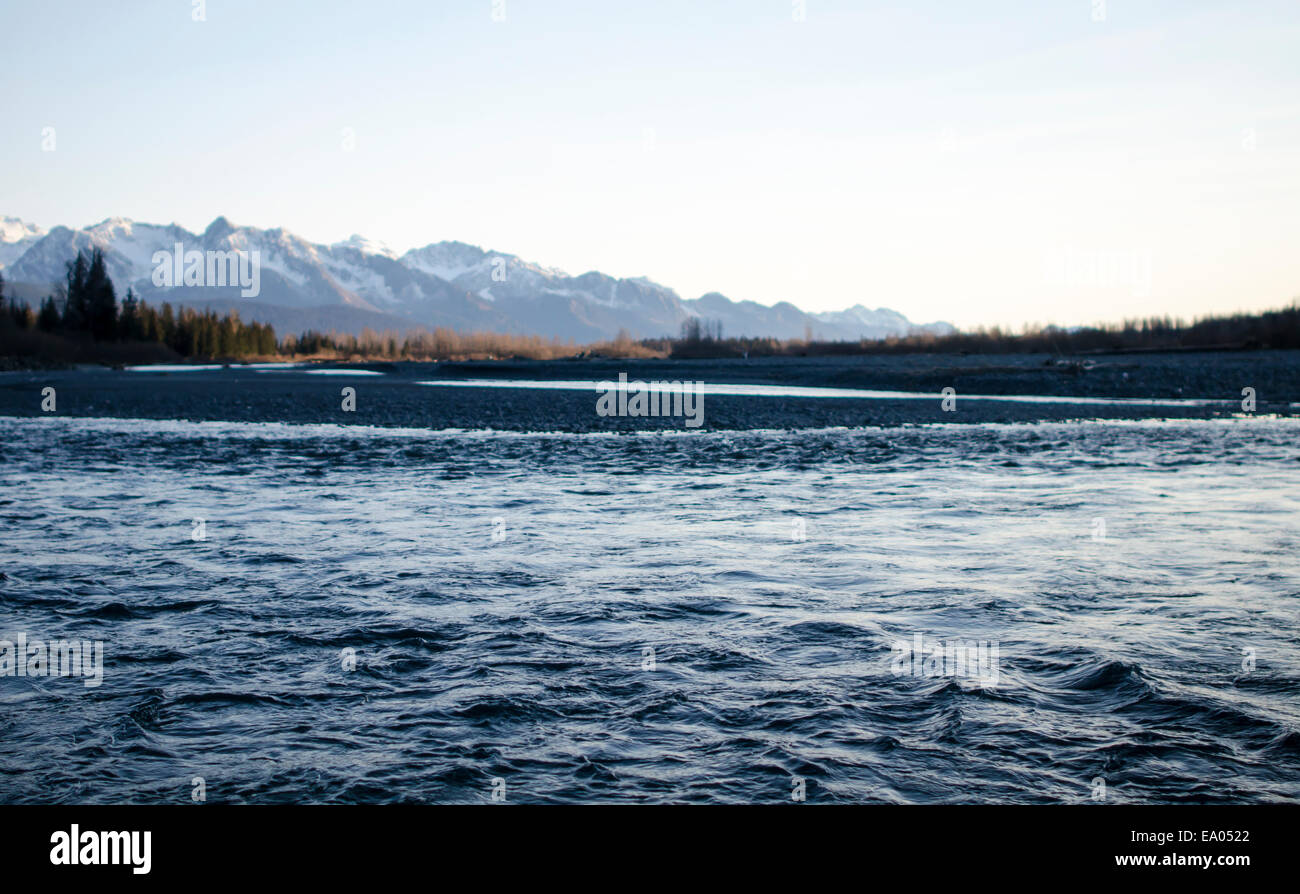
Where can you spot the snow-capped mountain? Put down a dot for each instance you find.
(15, 238)
(357, 283)
(879, 323)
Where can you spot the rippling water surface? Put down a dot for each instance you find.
(503, 593)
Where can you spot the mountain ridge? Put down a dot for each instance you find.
(358, 283)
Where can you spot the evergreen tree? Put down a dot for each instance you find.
(15, 311)
(165, 331)
(128, 325)
(101, 299)
(48, 319)
(149, 326)
(76, 315)
(87, 302)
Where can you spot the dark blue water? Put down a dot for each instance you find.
(705, 616)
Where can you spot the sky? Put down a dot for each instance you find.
(998, 162)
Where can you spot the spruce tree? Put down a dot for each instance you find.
(167, 329)
(75, 310)
(48, 319)
(101, 299)
(150, 328)
(128, 325)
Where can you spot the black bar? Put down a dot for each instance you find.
(620, 844)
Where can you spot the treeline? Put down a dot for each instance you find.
(1275, 329)
(447, 344)
(83, 321)
(85, 307)
(421, 344)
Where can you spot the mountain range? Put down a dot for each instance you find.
(356, 284)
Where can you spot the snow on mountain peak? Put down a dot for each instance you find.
(220, 228)
(13, 229)
(452, 284)
(445, 260)
(365, 246)
(16, 236)
(111, 227)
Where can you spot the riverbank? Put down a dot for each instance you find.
(984, 389)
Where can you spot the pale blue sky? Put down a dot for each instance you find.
(960, 161)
